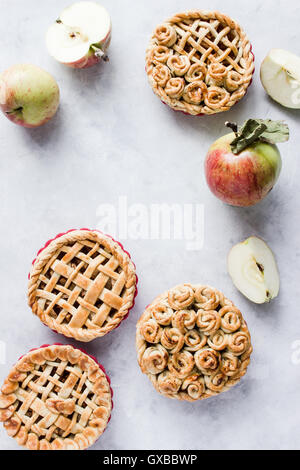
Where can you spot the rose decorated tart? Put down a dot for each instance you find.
(56, 398)
(193, 343)
(199, 62)
(82, 284)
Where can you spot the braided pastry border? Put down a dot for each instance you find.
(125, 262)
(141, 346)
(197, 110)
(38, 356)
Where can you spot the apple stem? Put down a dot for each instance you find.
(100, 53)
(233, 126)
(17, 110)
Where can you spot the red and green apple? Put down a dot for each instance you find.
(242, 167)
(29, 96)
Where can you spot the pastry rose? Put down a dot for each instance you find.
(172, 339)
(208, 321)
(184, 320)
(165, 35)
(239, 343)
(217, 72)
(194, 340)
(151, 331)
(181, 364)
(181, 297)
(233, 81)
(168, 383)
(218, 340)
(160, 54)
(207, 298)
(230, 319)
(247, 353)
(196, 72)
(216, 97)
(162, 314)
(179, 64)
(230, 364)
(175, 87)
(161, 74)
(194, 386)
(207, 360)
(216, 382)
(154, 360)
(195, 92)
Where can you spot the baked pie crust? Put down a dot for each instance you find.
(200, 62)
(82, 284)
(56, 398)
(193, 343)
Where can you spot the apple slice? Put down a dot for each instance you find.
(280, 76)
(253, 269)
(81, 35)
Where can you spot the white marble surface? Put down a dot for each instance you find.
(112, 138)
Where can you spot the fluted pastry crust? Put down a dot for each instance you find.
(193, 343)
(82, 285)
(56, 398)
(200, 46)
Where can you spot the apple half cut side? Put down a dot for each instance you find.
(81, 35)
(280, 76)
(253, 269)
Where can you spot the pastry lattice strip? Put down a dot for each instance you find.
(78, 281)
(194, 39)
(45, 383)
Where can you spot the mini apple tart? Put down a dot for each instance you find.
(82, 284)
(193, 343)
(199, 62)
(56, 398)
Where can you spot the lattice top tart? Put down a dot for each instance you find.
(193, 343)
(82, 284)
(56, 398)
(199, 62)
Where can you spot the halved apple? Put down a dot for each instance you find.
(280, 76)
(253, 269)
(81, 35)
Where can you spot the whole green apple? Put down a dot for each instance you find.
(29, 96)
(242, 167)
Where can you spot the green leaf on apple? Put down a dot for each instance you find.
(258, 130)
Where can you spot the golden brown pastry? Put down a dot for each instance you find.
(82, 284)
(193, 343)
(200, 46)
(56, 398)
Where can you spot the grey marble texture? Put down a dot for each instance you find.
(111, 138)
